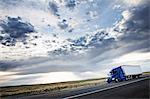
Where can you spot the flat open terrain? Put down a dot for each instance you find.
(93, 89)
(46, 88)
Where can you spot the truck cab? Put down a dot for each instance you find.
(116, 75)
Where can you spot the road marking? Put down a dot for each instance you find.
(115, 86)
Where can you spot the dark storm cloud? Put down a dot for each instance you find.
(138, 22)
(140, 18)
(135, 36)
(14, 29)
(7, 65)
(137, 28)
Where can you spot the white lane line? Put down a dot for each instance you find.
(87, 93)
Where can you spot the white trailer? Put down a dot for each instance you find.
(132, 71)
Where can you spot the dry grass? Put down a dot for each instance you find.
(146, 73)
(42, 88)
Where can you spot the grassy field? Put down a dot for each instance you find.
(42, 88)
(146, 73)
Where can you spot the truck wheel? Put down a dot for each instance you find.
(127, 77)
(131, 77)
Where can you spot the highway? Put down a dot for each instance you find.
(132, 89)
(135, 89)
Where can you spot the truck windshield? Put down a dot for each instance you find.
(113, 72)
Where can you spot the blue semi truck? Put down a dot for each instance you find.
(124, 72)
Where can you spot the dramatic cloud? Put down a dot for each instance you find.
(132, 33)
(134, 27)
(135, 19)
(79, 39)
(14, 29)
(7, 65)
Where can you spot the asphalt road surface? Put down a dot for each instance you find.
(132, 89)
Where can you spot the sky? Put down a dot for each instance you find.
(47, 41)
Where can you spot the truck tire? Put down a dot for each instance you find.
(131, 77)
(138, 76)
(127, 77)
